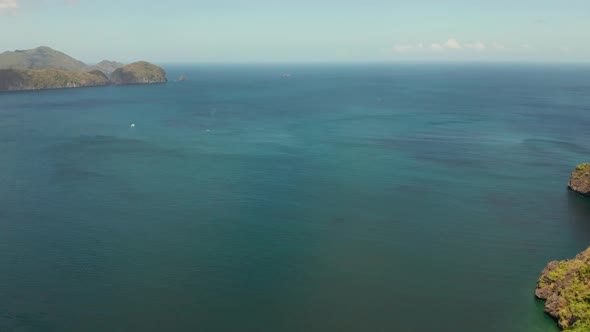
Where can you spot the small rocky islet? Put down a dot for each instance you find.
(45, 68)
(565, 285)
(580, 180)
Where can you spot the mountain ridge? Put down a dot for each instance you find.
(45, 57)
(46, 68)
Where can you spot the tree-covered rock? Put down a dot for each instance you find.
(139, 73)
(16, 79)
(565, 285)
(580, 180)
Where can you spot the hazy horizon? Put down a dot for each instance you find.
(327, 31)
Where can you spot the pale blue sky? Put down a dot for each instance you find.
(302, 30)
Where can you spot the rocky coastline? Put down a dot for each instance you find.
(565, 285)
(580, 180)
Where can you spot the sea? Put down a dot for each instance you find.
(415, 197)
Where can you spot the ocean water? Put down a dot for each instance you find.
(403, 197)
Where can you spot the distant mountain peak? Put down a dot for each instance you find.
(107, 66)
(42, 57)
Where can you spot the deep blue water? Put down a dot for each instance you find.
(411, 198)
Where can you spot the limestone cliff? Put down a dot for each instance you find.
(565, 285)
(580, 180)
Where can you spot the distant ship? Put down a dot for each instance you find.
(286, 75)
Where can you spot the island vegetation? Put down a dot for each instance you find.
(139, 73)
(580, 180)
(46, 68)
(16, 79)
(565, 285)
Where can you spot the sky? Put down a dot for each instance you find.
(301, 30)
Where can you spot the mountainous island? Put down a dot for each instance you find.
(565, 285)
(45, 68)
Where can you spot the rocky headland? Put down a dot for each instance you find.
(139, 73)
(565, 285)
(45, 68)
(580, 180)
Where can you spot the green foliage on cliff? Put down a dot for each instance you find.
(139, 72)
(566, 287)
(584, 168)
(580, 180)
(14, 79)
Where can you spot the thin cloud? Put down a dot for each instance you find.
(13, 6)
(478, 46)
(499, 47)
(8, 4)
(453, 44)
(436, 47)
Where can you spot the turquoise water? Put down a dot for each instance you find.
(345, 198)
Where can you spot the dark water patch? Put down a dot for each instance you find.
(252, 157)
(182, 123)
(65, 173)
(444, 153)
(547, 146)
(548, 164)
(409, 189)
(134, 196)
(450, 123)
(358, 120)
(549, 106)
(279, 148)
(445, 160)
(580, 204)
(100, 145)
(21, 322)
(580, 220)
(73, 104)
(498, 200)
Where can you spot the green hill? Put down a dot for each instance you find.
(46, 68)
(17, 79)
(139, 73)
(40, 58)
(107, 67)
